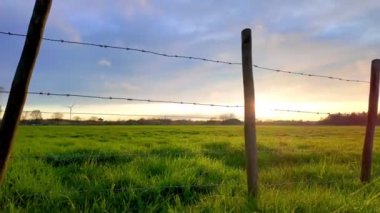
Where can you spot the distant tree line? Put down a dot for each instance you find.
(347, 119)
(332, 119)
(35, 118)
(141, 121)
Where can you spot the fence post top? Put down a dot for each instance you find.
(246, 36)
(376, 61)
(246, 30)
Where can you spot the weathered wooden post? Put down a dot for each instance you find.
(371, 121)
(20, 84)
(249, 113)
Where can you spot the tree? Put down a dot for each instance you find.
(36, 115)
(76, 118)
(93, 118)
(24, 115)
(57, 116)
(227, 116)
(345, 119)
(232, 121)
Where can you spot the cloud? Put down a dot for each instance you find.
(59, 26)
(119, 86)
(104, 62)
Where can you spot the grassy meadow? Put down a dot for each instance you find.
(187, 169)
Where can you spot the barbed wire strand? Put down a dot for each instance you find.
(126, 48)
(309, 75)
(153, 101)
(186, 57)
(128, 99)
(302, 111)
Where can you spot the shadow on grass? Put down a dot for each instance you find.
(85, 157)
(269, 158)
(232, 156)
(87, 185)
(171, 152)
(160, 197)
(22, 198)
(127, 193)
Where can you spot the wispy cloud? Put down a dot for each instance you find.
(121, 87)
(104, 62)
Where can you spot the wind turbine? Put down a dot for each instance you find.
(71, 109)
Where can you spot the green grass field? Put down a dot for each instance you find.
(187, 169)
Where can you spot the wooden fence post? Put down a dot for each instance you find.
(249, 113)
(20, 84)
(371, 121)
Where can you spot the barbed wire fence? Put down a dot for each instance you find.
(178, 56)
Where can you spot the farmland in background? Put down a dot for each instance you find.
(187, 168)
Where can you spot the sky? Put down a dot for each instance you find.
(337, 38)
